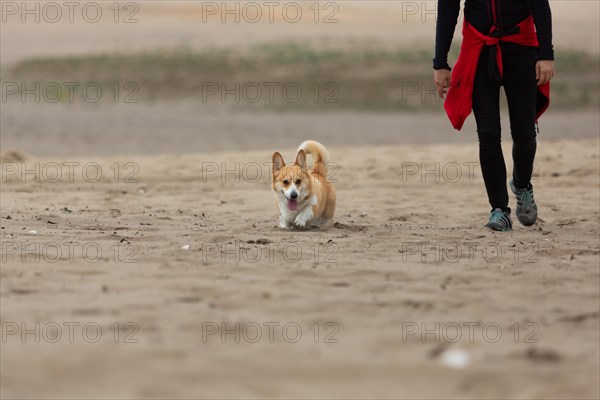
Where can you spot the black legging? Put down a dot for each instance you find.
(521, 90)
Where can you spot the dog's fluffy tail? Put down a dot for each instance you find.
(320, 156)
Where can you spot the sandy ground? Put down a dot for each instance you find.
(183, 249)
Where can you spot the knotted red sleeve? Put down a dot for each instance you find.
(459, 101)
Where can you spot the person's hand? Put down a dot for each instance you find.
(442, 78)
(544, 71)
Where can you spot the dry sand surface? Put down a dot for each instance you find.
(402, 256)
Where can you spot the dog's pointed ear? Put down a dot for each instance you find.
(301, 159)
(278, 162)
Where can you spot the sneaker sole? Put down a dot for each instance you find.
(498, 229)
(524, 220)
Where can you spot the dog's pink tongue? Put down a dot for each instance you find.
(292, 204)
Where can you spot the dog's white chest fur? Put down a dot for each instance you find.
(301, 217)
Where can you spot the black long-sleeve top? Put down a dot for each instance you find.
(479, 13)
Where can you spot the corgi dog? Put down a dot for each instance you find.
(305, 198)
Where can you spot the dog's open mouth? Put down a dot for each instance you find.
(292, 204)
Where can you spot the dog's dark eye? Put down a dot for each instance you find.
(286, 182)
(298, 181)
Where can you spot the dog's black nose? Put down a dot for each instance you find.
(294, 195)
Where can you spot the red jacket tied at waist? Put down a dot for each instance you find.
(459, 100)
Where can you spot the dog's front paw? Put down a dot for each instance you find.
(284, 224)
(301, 220)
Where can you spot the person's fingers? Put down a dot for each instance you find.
(540, 72)
(447, 84)
(544, 73)
(440, 88)
(541, 78)
(441, 84)
(546, 76)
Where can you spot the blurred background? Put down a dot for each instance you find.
(188, 76)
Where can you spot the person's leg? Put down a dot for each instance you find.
(486, 109)
(521, 93)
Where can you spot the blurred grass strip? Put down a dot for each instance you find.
(358, 76)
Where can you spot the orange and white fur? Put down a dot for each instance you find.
(305, 198)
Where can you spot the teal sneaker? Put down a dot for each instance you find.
(499, 221)
(526, 208)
